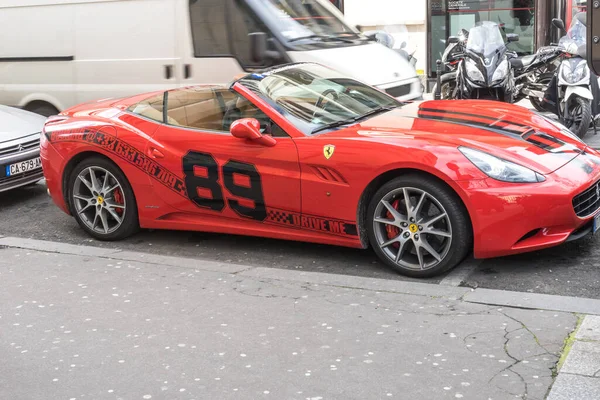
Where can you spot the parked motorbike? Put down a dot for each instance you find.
(533, 74)
(483, 71)
(570, 94)
(448, 66)
(388, 40)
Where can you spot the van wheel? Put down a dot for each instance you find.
(41, 108)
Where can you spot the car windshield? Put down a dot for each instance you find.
(315, 98)
(310, 20)
(485, 38)
(574, 41)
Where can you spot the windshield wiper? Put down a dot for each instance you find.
(336, 124)
(322, 37)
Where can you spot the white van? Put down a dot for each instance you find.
(58, 53)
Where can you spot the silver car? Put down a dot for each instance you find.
(20, 163)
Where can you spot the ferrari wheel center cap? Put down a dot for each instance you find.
(100, 199)
(413, 228)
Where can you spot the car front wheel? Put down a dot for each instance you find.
(418, 226)
(102, 200)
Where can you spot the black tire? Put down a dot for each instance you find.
(43, 109)
(130, 219)
(537, 104)
(583, 127)
(462, 234)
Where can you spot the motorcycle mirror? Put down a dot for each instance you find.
(452, 39)
(593, 39)
(558, 23)
(512, 37)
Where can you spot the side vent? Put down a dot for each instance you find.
(328, 174)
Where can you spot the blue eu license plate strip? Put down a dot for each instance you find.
(7, 170)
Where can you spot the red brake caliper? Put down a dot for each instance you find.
(118, 196)
(393, 231)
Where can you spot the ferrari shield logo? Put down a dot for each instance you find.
(328, 151)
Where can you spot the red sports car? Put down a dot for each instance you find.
(303, 153)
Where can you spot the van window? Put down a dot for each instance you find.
(221, 28)
(214, 109)
(209, 27)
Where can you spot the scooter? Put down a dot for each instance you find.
(570, 94)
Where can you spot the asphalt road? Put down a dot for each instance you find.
(572, 269)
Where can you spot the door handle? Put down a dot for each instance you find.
(187, 71)
(154, 153)
(168, 71)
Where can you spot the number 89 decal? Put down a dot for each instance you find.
(209, 181)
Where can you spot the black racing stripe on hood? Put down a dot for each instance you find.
(475, 124)
(492, 119)
(530, 136)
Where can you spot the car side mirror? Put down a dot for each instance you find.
(259, 48)
(453, 39)
(403, 45)
(512, 37)
(558, 23)
(249, 129)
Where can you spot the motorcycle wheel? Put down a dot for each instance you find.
(537, 104)
(580, 117)
(447, 91)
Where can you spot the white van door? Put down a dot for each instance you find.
(214, 42)
(125, 47)
(36, 53)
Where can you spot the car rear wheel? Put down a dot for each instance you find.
(102, 200)
(418, 226)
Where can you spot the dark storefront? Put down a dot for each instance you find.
(338, 3)
(530, 19)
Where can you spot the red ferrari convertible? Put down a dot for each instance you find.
(303, 153)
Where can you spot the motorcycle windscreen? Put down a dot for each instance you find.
(487, 41)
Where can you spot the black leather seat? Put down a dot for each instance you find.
(522, 62)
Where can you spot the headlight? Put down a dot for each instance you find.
(499, 169)
(574, 72)
(473, 72)
(500, 72)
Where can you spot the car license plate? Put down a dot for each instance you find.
(23, 166)
(596, 223)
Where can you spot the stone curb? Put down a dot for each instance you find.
(482, 296)
(579, 376)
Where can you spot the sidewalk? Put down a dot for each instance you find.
(89, 323)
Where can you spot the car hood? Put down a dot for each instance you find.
(371, 63)
(16, 123)
(504, 130)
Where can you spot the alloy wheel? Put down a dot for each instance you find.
(98, 199)
(412, 228)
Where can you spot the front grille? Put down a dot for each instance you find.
(398, 91)
(18, 148)
(588, 202)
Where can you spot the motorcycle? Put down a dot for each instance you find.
(452, 56)
(387, 39)
(533, 74)
(483, 71)
(570, 94)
